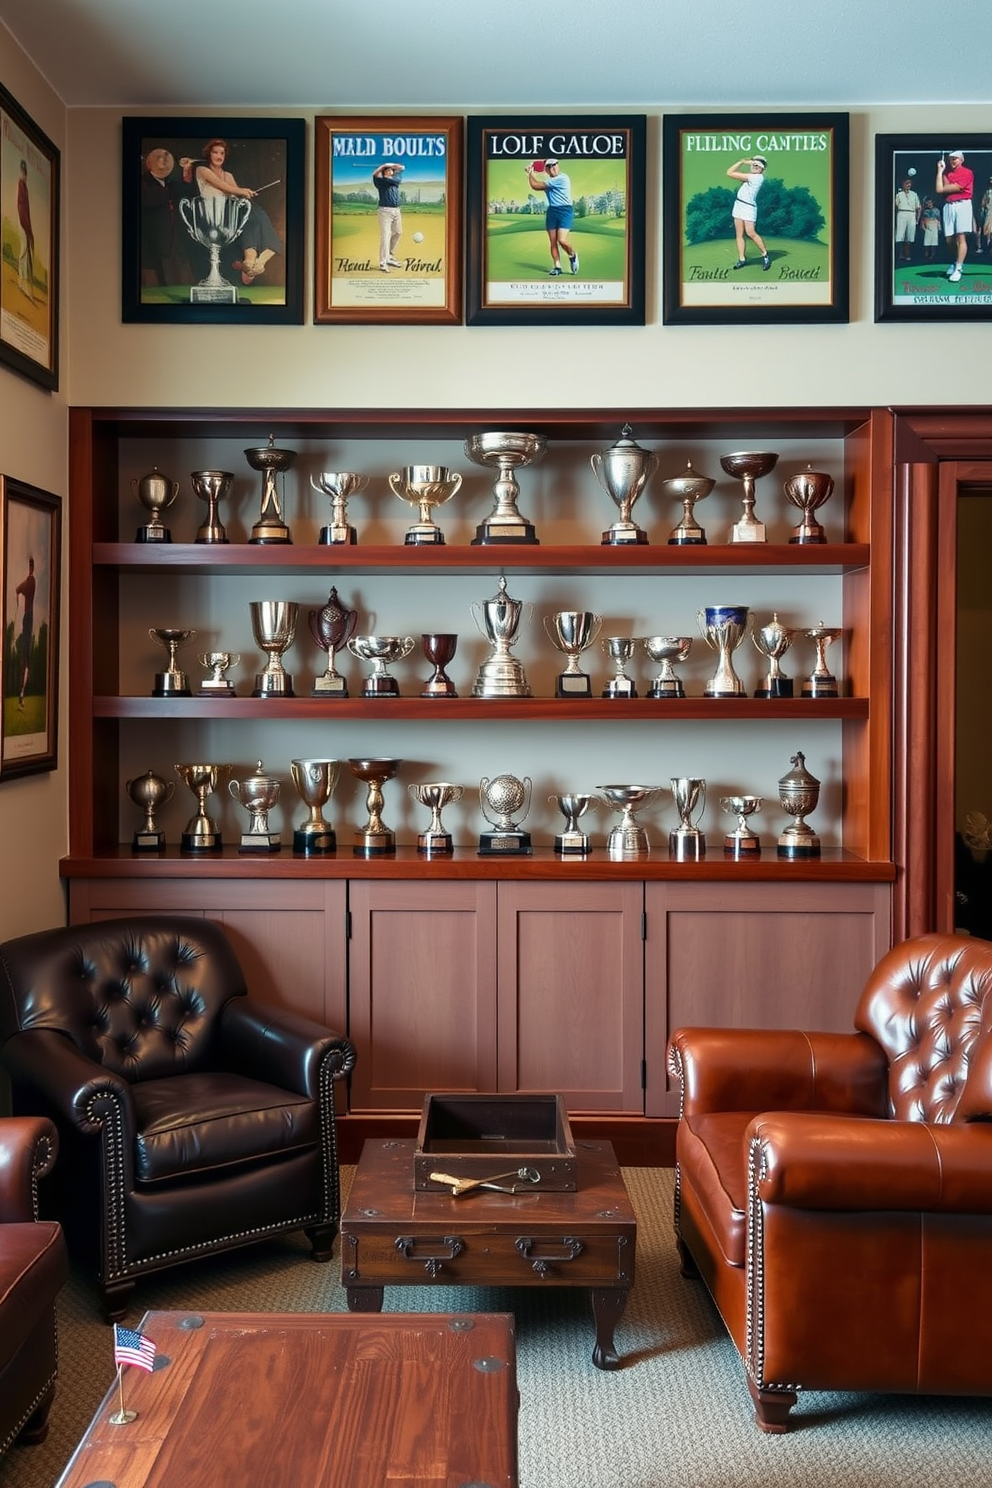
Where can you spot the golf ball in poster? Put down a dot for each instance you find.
(418, 237)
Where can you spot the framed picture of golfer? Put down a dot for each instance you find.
(755, 218)
(29, 247)
(933, 227)
(388, 221)
(555, 220)
(30, 564)
(212, 221)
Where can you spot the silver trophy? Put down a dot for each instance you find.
(686, 843)
(339, 485)
(498, 619)
(620, 649)
(688, 488)
(723, 627)
(211, 486)
(573, 841)
(273, 623)
(435, 795)
(257, 794)
(202, 833)
(571, 632)
(773, 641)
(809, 490)
(217, 663)
(742, 842)
(424, 486)
(623, 471)
(821, 683)
(375, 839)
(508, 452)
(314, 780)
(381, 651)
(272, 462)
(748, 466)
(172, 682)
(214, 221)
(798, 793)
(627, 839)
(149, 792)
(331, 627)
(663, 651)
(505, 801)
(156, 492)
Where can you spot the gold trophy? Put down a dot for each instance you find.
(272, 462)
(172, 682)
(217, 663)
(273, 622)
(809, 490)
(315, 780)
(156, 492)
(375, 839)
(202, 833)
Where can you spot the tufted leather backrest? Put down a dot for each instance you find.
(141, 996)
(927, 1003)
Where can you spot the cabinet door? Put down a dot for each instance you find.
(571, 992)
(422, 990)
(755, 955)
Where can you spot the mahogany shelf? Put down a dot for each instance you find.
(532, 710)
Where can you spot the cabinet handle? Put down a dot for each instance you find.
(413, 1250)
(541, 1263)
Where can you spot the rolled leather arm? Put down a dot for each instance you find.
(810, 1161)
(762, 1069)
(281, 1048)
(78, 1088)
(28, 1146)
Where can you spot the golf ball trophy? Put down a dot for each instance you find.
(627, 839)
(424, 486)
(723, 627)
(212, 486)
(572, 841)
(375, 839)
(623, 471)
(257, 794)
(156, 492)
(663, 651)
(571, 632)
(331, 627)
(798, 793)
(505, 801)
(821, 682)
(498, 619)
(149, 792)
(435, 795)
(173, 682)
(508, 452)
(338, 485)
(748, 466)
(773, 641)
(809, 490)
(273, 463)
(620, 649)
(686, 843)
(688, 488)
(314, 780)
(742, 842)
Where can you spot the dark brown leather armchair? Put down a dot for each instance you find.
(835, 1190)
(33, 1268)
(191, 1119)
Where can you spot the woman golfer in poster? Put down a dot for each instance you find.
(745, 213)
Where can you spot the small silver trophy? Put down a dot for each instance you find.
(339, 485)
(272, 462)
(217, 663)
(257, 794)
(623, 471)
(149, 792)
(742, 842)
(331, 627)
(211, 486)
(439, 648)
(665, 650)
(688, 488)
(202, 833)
(627, 839)
(748, 466)
(156, 492)
(620, 649)
(498, 619)
(723, 627)
(214, 221)
(798, 793)
(571, 632)
(809, 490)
(508, 452)
(382, 652)
(572, 842)
(821, 683)
(686, 843)
(424, 486)
(172, 682)
(773, 641)
(315, 780)
(435, 795)
(375, 839)
(505, 801)
(273, 623)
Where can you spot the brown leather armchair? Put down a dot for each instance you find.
(191, 1119)
(835, 1190)
(33, 1268)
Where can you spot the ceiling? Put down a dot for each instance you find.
(391, 55)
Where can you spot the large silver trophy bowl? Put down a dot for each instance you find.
(381, 651)
(508, 452)
(214, 221)
(627, 839)
(663, 651)
(623, 471)
(498, 619)
(424, 486)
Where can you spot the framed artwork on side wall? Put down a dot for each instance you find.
(30, 562)
(29, 247)
(212, 221)
(755, 218)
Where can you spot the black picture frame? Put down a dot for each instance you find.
(509, 247)
(909, 285)
(804, 277)
(30, 276)
(163, 264)
(31, 570)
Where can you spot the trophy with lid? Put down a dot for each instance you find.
(149, 792)
(505, 801)
(272, 462)
(338, 485)
(688, 488)
(773, 641)
(623, 471)
(156, 492)
(798, 793)
(173, 682)
(331, 627)
(508, 452)
(424, 486)
(498, 619)
(257, 794)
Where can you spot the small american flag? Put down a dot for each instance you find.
(133, 1348)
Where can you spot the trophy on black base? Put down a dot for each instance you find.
(623, 471)
(821, 682)
(315, 780)
(571, 632)
(435, 795)
(688, 488)
(507, 451)
(773, 641)
(809, 490)
(339, 485)
(273, 623)
(505, 802)
(156, 492)
(424, 486)
(202, 833)
(666, 650)
(332, 627)
(381, 651)
(798, 793)
(217, 663)
(572, 842)
(375, 839)
(149, 792)
(172, 682)
(723, 627)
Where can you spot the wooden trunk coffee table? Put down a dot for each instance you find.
(267, 1400)
(393, 1235)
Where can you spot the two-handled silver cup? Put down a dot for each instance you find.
(571, 632)
(573, 841)
(498, 619)
(258, 793)
(338, 485)
(623, 471)
(665, 650)
(434, 841)
(426, 487)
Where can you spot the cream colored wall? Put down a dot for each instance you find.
(33, 427)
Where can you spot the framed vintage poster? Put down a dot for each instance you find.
(933, 227)
(30, 561)
(755, 218)
(388, 215)
(29, 247)
(212, 221)
(555, 228)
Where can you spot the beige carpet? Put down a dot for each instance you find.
(677, 1415)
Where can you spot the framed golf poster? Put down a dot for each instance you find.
(555, 229)
(755, 218)
(29, 247)
(388, 220)
(933, 227)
